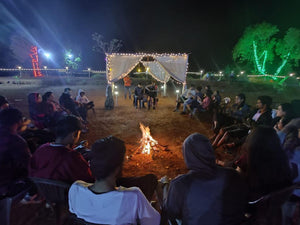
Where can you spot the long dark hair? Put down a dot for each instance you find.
(46, 96)
(268, 166)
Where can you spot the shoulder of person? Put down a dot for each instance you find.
(80, 183)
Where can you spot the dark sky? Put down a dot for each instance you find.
(208, 30)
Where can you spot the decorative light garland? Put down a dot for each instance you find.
(142, 55)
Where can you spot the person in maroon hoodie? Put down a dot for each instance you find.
(58, 161)
(14, 154)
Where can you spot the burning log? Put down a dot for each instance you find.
(147, 143)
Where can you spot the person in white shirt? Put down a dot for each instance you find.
(102, 202)
(82, 99)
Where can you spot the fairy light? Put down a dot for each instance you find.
(141, 55)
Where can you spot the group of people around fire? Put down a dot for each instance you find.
(209, 193)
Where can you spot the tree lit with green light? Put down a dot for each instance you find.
(262, 47)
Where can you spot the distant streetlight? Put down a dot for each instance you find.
(19, 67)
(116, 94)
(177, 93)
(70, 56)
(292, 74)
(242, 72)
(89, 69)
(45, 68)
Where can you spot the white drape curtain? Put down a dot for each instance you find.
(176, 66)
(162, 68)
(120, 65)
(157, 71)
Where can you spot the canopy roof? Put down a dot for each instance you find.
(161, 66)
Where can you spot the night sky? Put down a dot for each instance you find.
(208, 30)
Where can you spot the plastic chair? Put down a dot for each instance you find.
(55, 193)
(269, 207)
(8, 203)
(74, 220)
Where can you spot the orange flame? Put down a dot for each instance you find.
(147, 141)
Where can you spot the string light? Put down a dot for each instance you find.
(140, 56)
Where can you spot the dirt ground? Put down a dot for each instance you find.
(167, 127)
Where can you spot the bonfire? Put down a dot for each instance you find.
(147, 142)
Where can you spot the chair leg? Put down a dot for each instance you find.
(58, 213)
(5, 208)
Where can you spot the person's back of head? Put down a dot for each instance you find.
(268, 167)
(10, 117)
(287, 108)
(66, 125)
(67, 90)
(107, 155)
(199, 88)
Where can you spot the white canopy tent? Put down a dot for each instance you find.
(161, 67)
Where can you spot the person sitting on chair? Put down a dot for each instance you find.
(151, 91)
(58, 161)
(138, 96)
(82, 99)
(185, 95)
(208, 193)
(102, 202)
(14, 154)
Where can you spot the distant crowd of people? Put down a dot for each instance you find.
(209, 193)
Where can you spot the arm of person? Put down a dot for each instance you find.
(147, 215)
(173, 204)
(79, 168)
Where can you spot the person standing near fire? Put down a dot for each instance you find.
(127, 86)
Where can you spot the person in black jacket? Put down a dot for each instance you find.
(68, 103)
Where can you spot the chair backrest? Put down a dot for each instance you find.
(269, 207)
(52, 190)
(74, 220)
(7, 203)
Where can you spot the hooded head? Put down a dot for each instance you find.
(80, 91)
(198, 153)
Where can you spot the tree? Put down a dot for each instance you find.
(289, 48)
(104, 47)
(256, 46)
(71, 61)
(260, 46)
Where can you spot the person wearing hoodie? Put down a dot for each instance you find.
(208, 193)
(83, 100)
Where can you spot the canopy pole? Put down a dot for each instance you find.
(183, 87)
(113, 88)
(165, 89)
